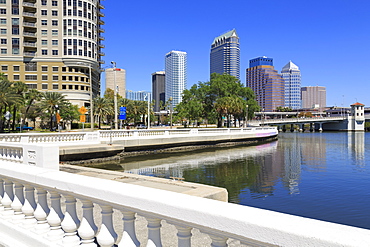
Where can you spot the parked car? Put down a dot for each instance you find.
(141, 126)
(24, 128)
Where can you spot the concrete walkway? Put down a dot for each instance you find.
(169, 238)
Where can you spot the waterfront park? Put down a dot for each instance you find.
(230, 181)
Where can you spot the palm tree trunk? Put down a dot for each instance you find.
(14, 117)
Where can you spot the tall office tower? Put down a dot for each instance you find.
(138, 95)
(175, 76)
(158, 89)
(314, 97)
(266, 83)
(120, 77)
(53, 45)
(292, 77)
(225, 54)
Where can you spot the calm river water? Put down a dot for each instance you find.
(317, 175)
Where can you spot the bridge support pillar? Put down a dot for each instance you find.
(284, 128)
(301, 127)
(320, 126)
(312, 129)
(292, 128)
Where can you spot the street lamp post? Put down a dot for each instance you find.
(115, 96)
(148, 98)
(246, 117)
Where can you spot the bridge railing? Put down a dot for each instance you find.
(51, 224)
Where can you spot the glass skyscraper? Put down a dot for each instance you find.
(266, 83)
(292, 77)
(225, 54)
(176, 65)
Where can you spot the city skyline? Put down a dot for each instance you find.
(320, 41)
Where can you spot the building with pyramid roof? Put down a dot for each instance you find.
(225, 54)
(292, 89)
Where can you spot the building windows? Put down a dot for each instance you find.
(32, 86)
(43, 2)
(44, 42)
(30, 66)
(54, 42)
(44, 22)
(3, 1)
(44, 68)
(3, 41)
(31, 77)
(55, 69)
(15, 51)
(2, 21)
(54, 32)
(44, 52)
(3, 31)
(54, 12)
(54, 3)
(44, 12)
(44, 77)
(44, 32)
(3, 51)
(16, 77)
(44, 86)
(54, 22)
(55, 78)
(4, 68)
(3, 11)
(15, 30)
(16, 68)
(55, 52)
(55, 86)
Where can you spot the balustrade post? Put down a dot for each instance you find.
(154, 230)
(1, 196)
(218, 241)
(129, 227)
(18, 203)
(8, 199)
(87, 229)
(29, 207)
(70, 222)
(55, 218)
(41, 212)
(107, 236)
(183, 236)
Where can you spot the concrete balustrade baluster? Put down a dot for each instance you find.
(70, 222)
(88, 228)
(29, 207)
(8, 199)
(218, 241)
(129, 228)
(41, 212)
(183, 236)
(106, 236)
(17, 204)
(55, 218)
(1, 196)
(154, 230)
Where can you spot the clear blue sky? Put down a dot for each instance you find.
(329, 40)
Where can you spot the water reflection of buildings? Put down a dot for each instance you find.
(356, 147)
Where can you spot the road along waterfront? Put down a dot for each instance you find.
(323, 176)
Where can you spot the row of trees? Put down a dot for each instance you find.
(223, 97)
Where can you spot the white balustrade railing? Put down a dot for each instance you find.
(27, 219)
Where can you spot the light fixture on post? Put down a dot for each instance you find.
(115, 96)
(86, 65)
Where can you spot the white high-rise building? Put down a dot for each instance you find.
(176, 65)
(292, 91)
(53, 45)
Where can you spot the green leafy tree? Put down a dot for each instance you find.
(102, 109)
(52, 102)
(70, 113)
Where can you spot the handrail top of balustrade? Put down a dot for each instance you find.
(243, 223)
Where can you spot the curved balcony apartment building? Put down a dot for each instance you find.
(53, 45)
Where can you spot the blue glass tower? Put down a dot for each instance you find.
(225, 54)
(292, 91)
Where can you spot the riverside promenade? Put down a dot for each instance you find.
(40, 205)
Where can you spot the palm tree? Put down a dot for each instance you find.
(50, 103)
(8, 97)
(19, 88)
(102, 108)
